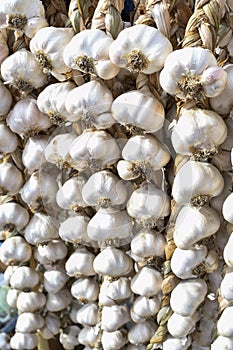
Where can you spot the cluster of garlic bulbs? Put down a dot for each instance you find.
(115, 178)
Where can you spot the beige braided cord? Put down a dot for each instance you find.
(80, 14)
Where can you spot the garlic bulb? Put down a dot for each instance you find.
(147, 204)
(8, 273)
(85, 289)
(24, 277)
(69, 196)
(47, 46)
(70, 339)
(6, 99)
(57, 150)
(41, 228)
(87, 315)
(55, 279)
(12, 296)
(194, 224)
(109, 224)
(224, 325)
(226, 287)
(23, 341)
(148, 243)
(23, 72)
(11, 179)
(227, 208)
(204, 131)
(194, 77)
(8, 140)
(5, 341)
(88, 52)
(144, 308)
(28, 322)
(33, 153)
(54, 250)
(94, 149)
(3, 47)
(13, 217)
(30, 301)
(85, 265)
(183, 262)
(140, 48)
(15, 250)
(217, 202)
(58, 301)
(112, 262)
(88, 336)
(190, 185)
(74, 229)
(23, 17)
(140, 333)
(52, 101)
(25, 119)
(139, 109)
(227, 253)
(187, 296)
(179, 326)
(112, 291)
(52, 326)
(114, 340)
(222, 343)
(147, 282)
(114, 317)
(91, 103)
(177, 344)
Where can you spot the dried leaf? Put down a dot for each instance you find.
(60, 6)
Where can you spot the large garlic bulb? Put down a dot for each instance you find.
(112, 291)
(114, 317)
(179, 326)
(30, 301)
(47, 46)
(190, 185)
(55, 279)
(40, 229)
(87, 315)
(8, 140)
(33, 153)
(195, 77)
(11, 179)
(144, 308)
(28, 322)
(15, 250)
(139, 109)
(114, 340)
(88, 52)
(6, 99)
(91, 103)
(24, 277)
(85, 289)
(198, 131)
(147, 282)
(148, 243)
(13, 218)
(23, 341)
(141, 333)
(140, 48)
(54, 250)
(85, 265)
(74, 229)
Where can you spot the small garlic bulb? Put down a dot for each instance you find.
(69, 339)
(55, 279)
(85, 289)
(41, 228)
(194, 224)
(140, 48)
(227, 208)
(13, 218)
(114, 317)
(24, 277)
(28, 322)
(144, 308)
(147, 282)
(112, 291)
(15, 250)
(51, 327)
(91, 103)
(30, 301)
(22, 341)
(74, 229)
(52, 101)
(88, 336)
(6, 99)
(33, 153)
(54, 250)
(85, 265)
(12, 296)
(179, 326)
(23, 72)
(114, 340)
(198, 131)
(8, 140)
(47, 46)
(11, 179)
(148, 243)
(190, 185)
(69, 196)
(195, 77)
(141, 333)
(58, 301)
(87, 315)
(139, 109)
(88, 52)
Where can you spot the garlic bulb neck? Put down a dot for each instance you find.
(23, 85)
(204, 154)
(200, 200)
(16, 21)
(191, 87)
(56, 118)
(136, 61)
(85, 64)
(43, 60)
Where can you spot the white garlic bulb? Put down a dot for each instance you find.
(115, 290)
(30, 301)
(85, 265)
(194, 77)
(198, 130)
(112, 262)
(147, 204)
(177, 344)
(190, 185)
(28, 322)
(6, 99)
(4, 50)
(147, 282)
(194, 224)
(91, 103)
(114, 340)
(11, 179)
(15, 250)
(8, 273)
(227, 208)
(88, 52)
(24, 277)
(148, 243)
(52, 101)
(94, 149)
(179, 326)
(54, 250)
(70, 339)
(74, 229)
(85, 289)
(144, 308)
(23, 17)
(69, 196)
(141, 333)
(226, 287)
(140, 48)
(187, 296)
(23, 341)
(47, 46)
(52, 326)
(224, 325)
(114, 317)
(222, 343)
(227, 253)
(25, 119)
(33, 153)
(139, 109)
(88, 336)
(12, 296)
(87, 315)
(109, 224)
(55, 279)
(8, 140)
(13, 217)
(58, 301)
(5, 341)
(23, 72)
(41, 228)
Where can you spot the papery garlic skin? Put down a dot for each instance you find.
(25, 119)
(91, 103)
(30, 301)
(23, 72)
(198, 130)
(47, 46)
(193, 78)
(8, 140)
(33, 153)
(52, 101)
(28, 322)
(140, 109)
(40, 229)
(85, 289)
(74, 229)
(58, 301)
(194, 224)
(6, 99)
(227, 208)
(140, 48)
(88, 52)
(15, 250)
(190, 185)
(147, 282)
(11, 179)
(24, 277)
(22, 341)
(69, 196)
(85, 266)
